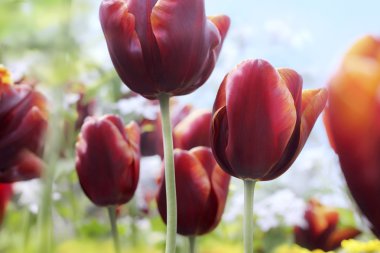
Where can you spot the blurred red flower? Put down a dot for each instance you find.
(202, 189)
(352, 120)
(5, 195)
(191, 128)
(262, 119)
(108, 160)
(321, 231)
(166, 46)
(23, 118)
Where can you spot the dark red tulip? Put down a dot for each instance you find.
(193, 131)
(352, 119)
(321, 230)
(23, 118)
(166, 46)
(108, 160)
(5, 195)
(151, 136)
(202, 189)
(84, 108)
(262, 119)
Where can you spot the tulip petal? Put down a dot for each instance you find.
(219, 133)
(193, 131)
(334, 240)
(186, 40)
(294, 83)
(27, 136)
(313, 102)
(261, 118)
(193, 185)
(123, 43)
(26, 166)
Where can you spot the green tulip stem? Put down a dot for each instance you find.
(192, 240)
(115, 234)
(249, 186)
(171, 202)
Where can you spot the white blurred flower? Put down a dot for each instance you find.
(138, 105)
(281, 208)
(29, 193)
(150, 169)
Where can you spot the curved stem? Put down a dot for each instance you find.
(249, 186)
(171, 202)
(192, 240)
(115, 235)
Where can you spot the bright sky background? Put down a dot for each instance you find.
(308, 35)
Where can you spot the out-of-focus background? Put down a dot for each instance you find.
(59, 46)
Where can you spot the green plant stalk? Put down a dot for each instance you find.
(192, 244)
(115, 234)
(171, 201)
(249, 186)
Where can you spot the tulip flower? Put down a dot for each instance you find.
(202, 188)
(321, 231)
(108, 163)
(162, 46)
(5, 195)
(193, 131)
(23, 118)
(261, 121)
(161, 49)
(352, 121)
(108, 160)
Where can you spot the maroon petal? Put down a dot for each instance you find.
(261, 118)
(186, 40)
(219, 141)
(124, 45)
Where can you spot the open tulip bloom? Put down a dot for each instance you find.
(162, 49)
(261, 121)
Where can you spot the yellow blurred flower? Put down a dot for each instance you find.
(353, 246)
(297, 249)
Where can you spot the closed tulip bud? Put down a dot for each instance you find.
(321, 230)
(108, 160)
(23, 118)
(193, 131)
(262, 119)
(352, 119)
(202, 189)
(162, 46)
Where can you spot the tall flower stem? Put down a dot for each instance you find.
(192, 240)
(249, 186)
(115, 235)
(171, 202)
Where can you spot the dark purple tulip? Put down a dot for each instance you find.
(166, 46)
(202, 188)
(262, 119)
(108, 160)
(23, 118)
